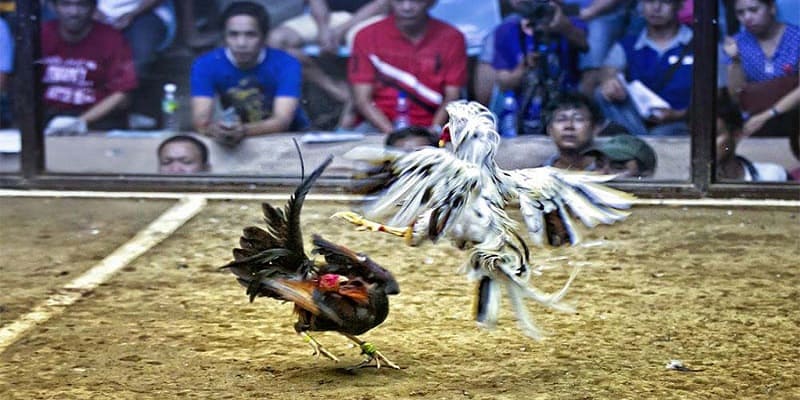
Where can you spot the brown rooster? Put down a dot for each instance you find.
(347, 294)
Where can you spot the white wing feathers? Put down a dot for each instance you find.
(426, 179)
(543, 190)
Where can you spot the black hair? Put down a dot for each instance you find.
(94, 2)
(411, 131)
(729, 112)
(571, 99)
(248, 8)
(186, 138)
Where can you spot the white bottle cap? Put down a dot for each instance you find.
(170, 87)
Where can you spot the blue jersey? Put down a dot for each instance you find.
(251, 92)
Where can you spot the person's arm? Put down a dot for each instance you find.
(597, 7)
(451, 93)
(125, 20)
(202, 113)
(363, 101)
(563, 25)
(283, 110)
(788, 102)
(511, 79)
(114, 101)
(736, 77)
(371, 9)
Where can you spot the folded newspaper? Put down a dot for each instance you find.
(643, 98)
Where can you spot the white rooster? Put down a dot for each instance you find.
(462, 194)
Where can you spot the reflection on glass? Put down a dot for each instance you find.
(758, 120)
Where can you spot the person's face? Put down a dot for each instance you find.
(180, 157)
(660, 12)
(410, 13)
(244, 39)
(754, 15)
(726, 142)
(74, 16)
(623, 169)
(571, 128)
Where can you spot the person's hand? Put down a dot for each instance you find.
(65, 125)
(756, 122)
(613, 90)
(560, 22)
(226, 134)
(330, 39)
(123, 21)
(662, 115)
(730, 47)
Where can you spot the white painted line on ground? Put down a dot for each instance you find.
(157, 231)
(358, 198)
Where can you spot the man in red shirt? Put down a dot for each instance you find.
(407, 54)
(88, 71)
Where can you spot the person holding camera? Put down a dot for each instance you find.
(536, 56)
(657, 64)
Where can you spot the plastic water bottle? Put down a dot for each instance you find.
(401, 119)
(508, 117)
(169, 110)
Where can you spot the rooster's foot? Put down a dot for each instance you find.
(318, 348)
(373, 355)
(367, 225)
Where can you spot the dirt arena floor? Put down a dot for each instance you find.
(716, 288)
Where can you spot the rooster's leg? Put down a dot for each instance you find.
(318, 349)
(367, 225)
(372, 354)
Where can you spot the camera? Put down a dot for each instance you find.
(541, 12)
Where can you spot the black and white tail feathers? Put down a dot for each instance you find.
(276, 252)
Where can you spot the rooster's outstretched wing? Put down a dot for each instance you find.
(546, 193)
(428, 179)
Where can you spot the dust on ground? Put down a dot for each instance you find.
(716, 288)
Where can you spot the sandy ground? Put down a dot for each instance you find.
(716, 288)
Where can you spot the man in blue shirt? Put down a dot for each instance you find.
(661, 58)
(6, 67)
(262, 85)
(537, 55)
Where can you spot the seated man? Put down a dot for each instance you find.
(407, 55)
(182, 154)
(661, 58)
(536, 56)
(6, 66)
(330, 24)
(731, 166)
(88, 71)
(260, 84)
(571, 120)
(626, 156)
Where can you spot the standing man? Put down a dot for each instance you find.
(407, 54)
(260, 86)
(88, 71)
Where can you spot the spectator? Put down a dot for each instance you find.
(330, 24)
(183, 154)
(763, 62)
(484, 77)
(88, 71)
(626, 156)
(6, 67)
(411, 138)
(260, 84)
(729, 165)
(571, 120)
(536, 56)
(661, 58)
(408, 53)
(149, 26)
